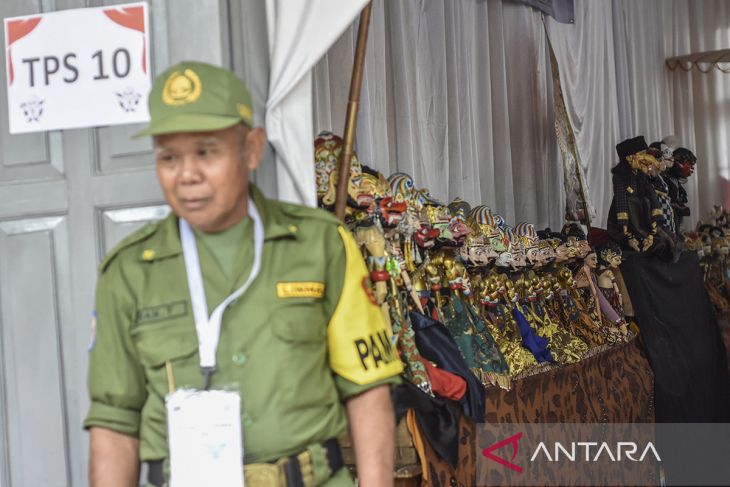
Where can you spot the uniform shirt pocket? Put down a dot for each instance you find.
(165, 341)
(299, 333)
(300, 322)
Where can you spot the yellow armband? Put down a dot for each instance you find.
(360, 343)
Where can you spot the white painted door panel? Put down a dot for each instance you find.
(66, 198)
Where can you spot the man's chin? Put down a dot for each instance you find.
(196, 220)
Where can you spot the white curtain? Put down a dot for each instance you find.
(458, 95)
(618, 86)
(614, 81)
(297, 40)
(702, 101)
(588, 75)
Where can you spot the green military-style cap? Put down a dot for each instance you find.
(197, 97)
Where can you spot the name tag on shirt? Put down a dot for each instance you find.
(204, 435)
(300, 289)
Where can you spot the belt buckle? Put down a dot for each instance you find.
(263, 475)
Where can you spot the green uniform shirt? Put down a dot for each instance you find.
(226, 247)
(306, 334)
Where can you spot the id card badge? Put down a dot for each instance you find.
(204, 436)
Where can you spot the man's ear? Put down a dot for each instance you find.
(254, 143)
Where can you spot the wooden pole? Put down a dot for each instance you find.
(353, 106)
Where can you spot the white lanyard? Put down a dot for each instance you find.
(209, 328)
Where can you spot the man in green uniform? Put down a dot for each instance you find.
(302, 342)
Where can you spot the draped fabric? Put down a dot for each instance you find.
(612, 71)
(617, 85)
(560, 10)
(682, 338)
(296, 41)
(702, 101)
(458, 94)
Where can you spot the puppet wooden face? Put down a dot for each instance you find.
(519, 260)
(499, 241)
(390, 212)
(459, 211)
(526, 236)
(643, 162)
(426, 236)
(563, 252)
(591, 260)
(684, 163)
(327, 149)
(477, 252)
(583, 249)
(572, 245)
(547, 252)
(458, 227)
(534, 257)
(610, 256)
(659, 166)
(504, 260)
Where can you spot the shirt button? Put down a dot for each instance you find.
(239, 358)
(247, 421)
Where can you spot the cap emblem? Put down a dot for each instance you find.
(244, 111)
(182, 88)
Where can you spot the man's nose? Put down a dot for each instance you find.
(190, 171)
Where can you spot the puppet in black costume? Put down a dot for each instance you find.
(635, 213)
(676, 176)
(664, 155)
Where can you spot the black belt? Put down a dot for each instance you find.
(292, 468)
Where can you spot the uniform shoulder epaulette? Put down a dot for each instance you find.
(306, 212)
(131, 239)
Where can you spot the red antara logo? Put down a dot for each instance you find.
(512, 440)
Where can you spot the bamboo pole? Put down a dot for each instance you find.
(353, 106)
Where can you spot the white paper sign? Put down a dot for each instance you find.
(78, 68)
(205, 440)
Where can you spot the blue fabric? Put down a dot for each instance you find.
(531, 340)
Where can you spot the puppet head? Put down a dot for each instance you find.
(527, 235)
(547, 251)
(517, 250)
(634, 153)
(609, 255)
(575, 239)
(458, 227)
(684, 163)
(327, 150)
